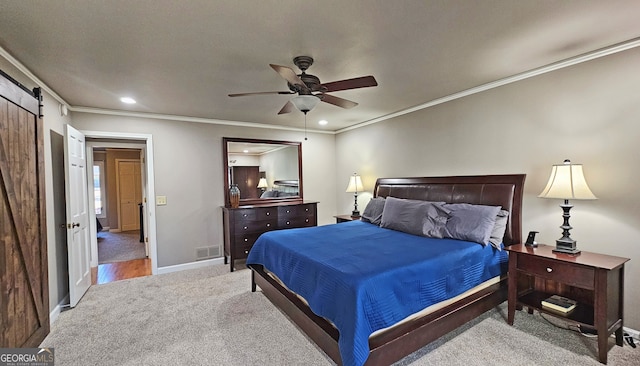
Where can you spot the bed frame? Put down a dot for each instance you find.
(399, 341)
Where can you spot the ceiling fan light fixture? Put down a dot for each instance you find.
(305, 103)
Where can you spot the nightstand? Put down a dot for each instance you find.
(345, 218)
(595, 281)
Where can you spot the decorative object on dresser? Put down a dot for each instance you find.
(355, 186)
(567, 182)
(234, 196)
(594, 281)
(243, 225)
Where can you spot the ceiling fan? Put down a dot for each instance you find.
(309, 88)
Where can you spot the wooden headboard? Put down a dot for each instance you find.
(491, 190)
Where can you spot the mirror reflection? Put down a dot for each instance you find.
(264, 171)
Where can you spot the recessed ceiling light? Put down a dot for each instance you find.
(128, 100)
(322, 122)
(245, 151)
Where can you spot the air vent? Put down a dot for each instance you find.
(207, 252)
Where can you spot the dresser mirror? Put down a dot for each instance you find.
(265, 171)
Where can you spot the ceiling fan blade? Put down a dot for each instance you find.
(355, 83)
(288, 74)
(340, 102)
(288, 108)
(260, 93)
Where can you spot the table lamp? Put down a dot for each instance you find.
(262, 184)
(355, 185)
(567, 182)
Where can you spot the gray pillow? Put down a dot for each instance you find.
(497, 234)
(471, 222)
(269, 194)
(415, 217)
(373, 212)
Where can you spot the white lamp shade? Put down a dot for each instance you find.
(305, 103)
(567, 182)
(355, 184)
(262, 183)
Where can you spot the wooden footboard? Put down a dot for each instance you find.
(393, 344)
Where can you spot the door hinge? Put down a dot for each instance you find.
(146, 239)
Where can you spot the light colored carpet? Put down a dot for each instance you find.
(208, 316)
(119, 247)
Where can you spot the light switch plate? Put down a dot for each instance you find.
(161, 200)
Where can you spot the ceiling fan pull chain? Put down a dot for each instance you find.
(305, 127)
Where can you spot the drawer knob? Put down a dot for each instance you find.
(245, 228)
(306, 210)
(288, 211)
(245, 239)
(288, 222)
(246, 252)
(268, 225)
(268, 213)
(549, 269)
(244, 215)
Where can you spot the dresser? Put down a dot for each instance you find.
(243, 225)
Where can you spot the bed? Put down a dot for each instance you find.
(384, 345)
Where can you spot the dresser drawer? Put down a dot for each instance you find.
(305, 210)
(261, 226)
(571, 274)
(299, 221)
(253, 214)
(241, 249)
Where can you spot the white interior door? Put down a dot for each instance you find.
(78, 239)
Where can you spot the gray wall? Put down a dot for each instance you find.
(189, 171)
(589, 113)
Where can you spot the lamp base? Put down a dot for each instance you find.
(355, 213)
(566, 246)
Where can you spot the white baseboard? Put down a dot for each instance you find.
(192, 265)
(53, 316)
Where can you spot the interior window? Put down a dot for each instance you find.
(98, 188)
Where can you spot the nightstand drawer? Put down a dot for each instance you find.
(571, 274)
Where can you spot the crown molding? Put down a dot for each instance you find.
(602, 52)
(169, 117)
(599, 53)
(23, 69)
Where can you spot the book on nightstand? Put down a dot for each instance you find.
(559, 303)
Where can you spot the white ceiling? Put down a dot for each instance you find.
(182, 58)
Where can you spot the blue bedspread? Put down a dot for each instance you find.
(363, 278)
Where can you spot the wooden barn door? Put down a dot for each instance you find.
(24, 292)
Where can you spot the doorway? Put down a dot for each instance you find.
(118, 202)
(137, 237)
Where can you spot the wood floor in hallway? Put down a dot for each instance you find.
(116, 271)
